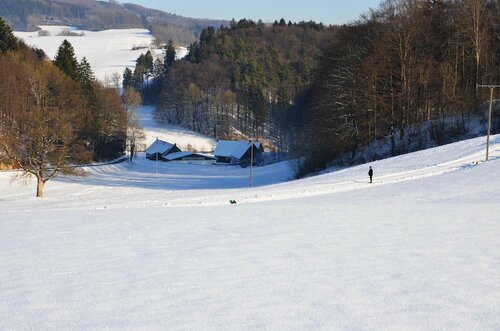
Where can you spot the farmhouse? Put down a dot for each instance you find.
(160, 149)
(188, 157)
(237, 152)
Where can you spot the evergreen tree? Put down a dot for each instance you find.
(128, 78)
(86, 79)
(40, 53)
(169, 54)
(194, 54)
(148, 63)
(8, 41)
(144, 68)
(158, 68)
(85, 74)
(66, 60)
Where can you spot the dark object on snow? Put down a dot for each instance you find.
(132, 151)
(232, 202)
(370, 173)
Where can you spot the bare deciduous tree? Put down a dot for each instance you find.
(116, 78)
(41, 137)
(475, 24)
(135, 133)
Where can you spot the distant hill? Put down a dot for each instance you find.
(165, 26)
(26, 15)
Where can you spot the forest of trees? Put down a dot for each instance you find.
(54, 114)
(323, 92)
(409, 65)
(237, 81)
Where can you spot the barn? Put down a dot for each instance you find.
(159, 149)
(189, 157)
(237, 152)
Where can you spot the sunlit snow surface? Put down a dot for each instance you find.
(136, 246)
(108, 51)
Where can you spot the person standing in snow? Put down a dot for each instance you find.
(370, 173)
(132, 151)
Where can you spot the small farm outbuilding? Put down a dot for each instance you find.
(238, 152)
(159, 149)
(189, 157)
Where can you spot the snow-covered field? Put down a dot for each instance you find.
(149, 245)
(129, 248)
(108, 52)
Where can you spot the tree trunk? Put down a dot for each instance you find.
(39, 187)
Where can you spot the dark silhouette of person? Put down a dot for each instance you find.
(370, 173)
(132, 151)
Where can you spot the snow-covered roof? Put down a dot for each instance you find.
(178, 155)
(159, 146)
(228, 148)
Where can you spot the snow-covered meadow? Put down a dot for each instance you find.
(108, 52)
(129, 248)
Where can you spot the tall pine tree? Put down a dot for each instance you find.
(66, 60)
(8, 41)
(86, 79)
(85, 74)
(128, 78)
(194, 54)
(169, 54)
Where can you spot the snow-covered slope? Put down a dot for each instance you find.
(159, 246)
(172, 133)
(108, 52)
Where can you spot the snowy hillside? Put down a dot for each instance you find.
(158, 246)
(108, 52)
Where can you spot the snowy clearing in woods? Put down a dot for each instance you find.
(129, 248)
(172, 133)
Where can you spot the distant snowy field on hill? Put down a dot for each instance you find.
(136, 246)
(108, 52)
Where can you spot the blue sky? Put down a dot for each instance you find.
(326, 11)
